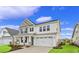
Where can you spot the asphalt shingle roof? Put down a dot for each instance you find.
(12, 31)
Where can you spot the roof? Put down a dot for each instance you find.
(47, 22)
(28, 20)
(12, 31)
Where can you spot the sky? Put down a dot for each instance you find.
(12, 17)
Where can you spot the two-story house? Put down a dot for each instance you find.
(43, 34)
(75, 35)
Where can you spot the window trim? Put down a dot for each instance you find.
(21, 39)
(48, 27)
(44, 28)
(40, 29)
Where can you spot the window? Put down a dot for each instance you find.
(76, 31)
(37, 37)
(48, 27)
(41, 37)
(26, 30)
(4, 32)
(21, 31)
(25, 39)
(17, 41)
(56, 29)
(44, 28)
(22, 39)
(45, 37)
(50, 37)
(40, 29)
(31, 29)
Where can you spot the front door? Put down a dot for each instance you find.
(32, 39)
(25, 40)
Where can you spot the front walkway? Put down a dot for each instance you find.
(33, 49)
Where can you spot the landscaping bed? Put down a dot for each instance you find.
(67, 48)
(16, 47)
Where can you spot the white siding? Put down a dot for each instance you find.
(53, 28)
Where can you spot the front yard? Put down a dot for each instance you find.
(66, 49)
(4, 48)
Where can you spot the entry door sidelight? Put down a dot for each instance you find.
(32, 39)
(25, 39)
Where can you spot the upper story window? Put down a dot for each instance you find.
(26, 30)
(48, 27)
(56, 29)
(4, 32)
(44, 28)
(31, 29)
(21, 31)
(40, 29)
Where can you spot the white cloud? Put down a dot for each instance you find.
(67, 29)
(43, 19)
(61, 8)
(1, 17)
(64, 23)
(66, 36)
(66, 32)
(7, 12)
(10, 26)
(58, 8)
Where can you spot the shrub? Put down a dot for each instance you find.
(57, 47)
(16, 47)
(62, 43)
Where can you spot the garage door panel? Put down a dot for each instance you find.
(43, 42)
(6, 40)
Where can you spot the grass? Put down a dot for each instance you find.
(66, 49)
(4, 48)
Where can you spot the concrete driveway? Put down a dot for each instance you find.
(33, 49)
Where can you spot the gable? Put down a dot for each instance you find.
(26, 23)
(4, 32)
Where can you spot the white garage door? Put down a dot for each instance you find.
(6, 40)
(43, 42)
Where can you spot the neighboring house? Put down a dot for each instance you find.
(75, 35)
(44, 34)
(7, 35)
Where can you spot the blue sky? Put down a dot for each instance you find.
(13, 16)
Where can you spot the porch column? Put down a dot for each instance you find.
(30, 42)
(14, 40)
(23, 40)
(28, 38)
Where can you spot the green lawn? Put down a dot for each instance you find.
(66, 49)
(4, 48)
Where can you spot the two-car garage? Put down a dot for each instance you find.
(44, 41)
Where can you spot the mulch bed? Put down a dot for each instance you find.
(16, 47)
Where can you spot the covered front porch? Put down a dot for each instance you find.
(25, 40)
